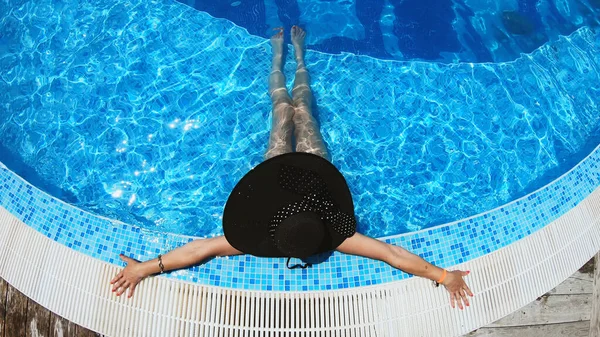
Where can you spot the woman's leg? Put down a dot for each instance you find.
(308, 136)
(280, 140)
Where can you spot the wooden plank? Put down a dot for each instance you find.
(550, 310)
(16, 313)
(83, 332)
(572, 329)
(595, 314)
(38, 320)
(3, 290)
(588, 267)
(578, 283)
(60, 327)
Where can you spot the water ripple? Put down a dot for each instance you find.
(150, 112)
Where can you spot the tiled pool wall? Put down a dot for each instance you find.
(409, 127)
(445, 245)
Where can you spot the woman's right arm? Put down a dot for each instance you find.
(404, 260)
(185, 256)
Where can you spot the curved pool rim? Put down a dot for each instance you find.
(544, 236)
(209, 209)
(63, 258)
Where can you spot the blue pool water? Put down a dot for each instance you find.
(151, 111)
(440, 30)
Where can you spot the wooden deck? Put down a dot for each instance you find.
(565, 311)
(20, 317)
(571, 309)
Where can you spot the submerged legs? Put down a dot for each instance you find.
(308, 136)
(280, 139)
(296, 111)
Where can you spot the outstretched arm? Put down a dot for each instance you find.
(185, 256)
(404, 260)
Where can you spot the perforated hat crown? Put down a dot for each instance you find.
(292, 205)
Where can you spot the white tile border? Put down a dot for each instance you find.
(76, 287)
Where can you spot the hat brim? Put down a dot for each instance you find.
(258, 196)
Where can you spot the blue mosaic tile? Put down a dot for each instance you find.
(420, 142)
(444, 245)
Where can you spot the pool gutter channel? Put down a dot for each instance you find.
(76, 286)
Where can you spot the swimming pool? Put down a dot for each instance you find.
(401, 131)
(150, 113)
(442, 31)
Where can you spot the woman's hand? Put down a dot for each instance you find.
(129, 277)
(457, 288)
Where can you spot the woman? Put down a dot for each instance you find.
(294, 204)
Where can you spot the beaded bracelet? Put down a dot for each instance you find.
(160, 264)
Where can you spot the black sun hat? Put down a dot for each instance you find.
(292, 205)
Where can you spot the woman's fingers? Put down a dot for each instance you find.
(458, 289)
(469, 292)
(118, 284)
(459, 300)
(125, 279)
(119, 276)
(465, 299)
(127, 259)
(116, 278)
(131, 290)
(123, 288)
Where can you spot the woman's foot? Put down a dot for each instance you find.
(298, 34)
(277, 46)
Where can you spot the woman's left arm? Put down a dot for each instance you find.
(406, 261)
(190, 254)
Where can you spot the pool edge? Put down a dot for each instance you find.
(503, 281)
